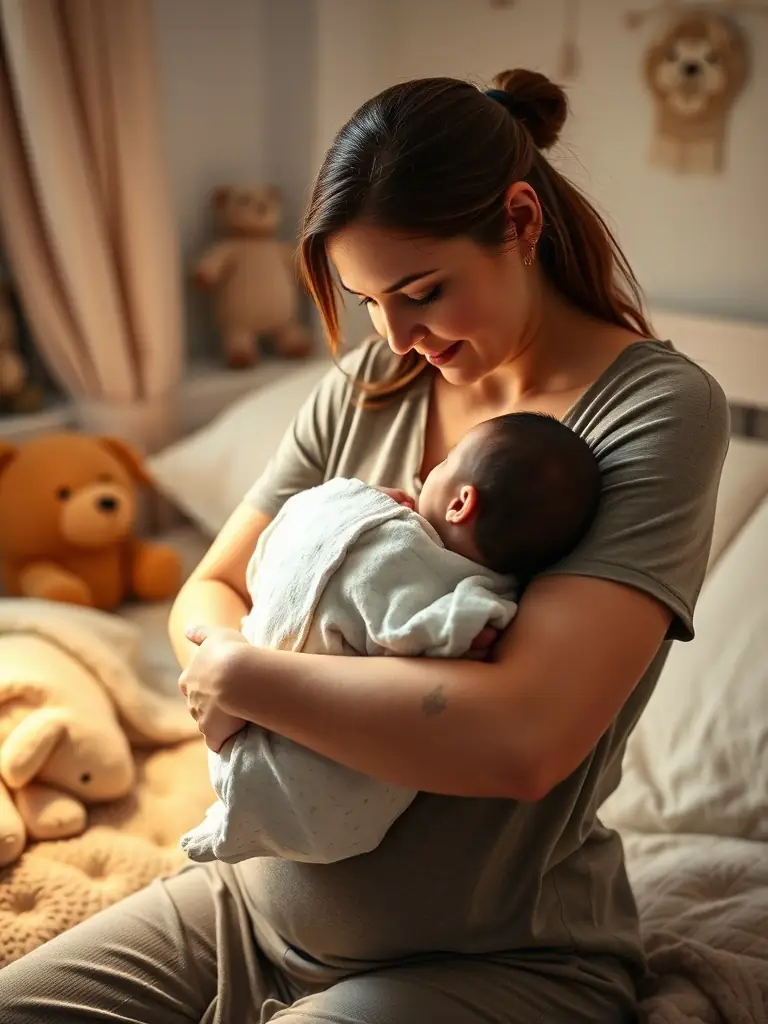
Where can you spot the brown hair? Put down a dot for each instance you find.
(386, 161)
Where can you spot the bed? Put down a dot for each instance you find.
(692, 807)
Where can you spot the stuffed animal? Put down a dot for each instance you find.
(61, 746)
(252, 278)
(695, 70)
(17, 392)
(71, 703)
(67, 508)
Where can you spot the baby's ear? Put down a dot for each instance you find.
(463, 508)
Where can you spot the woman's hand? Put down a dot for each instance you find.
(205, 681)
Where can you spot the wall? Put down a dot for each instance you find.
(256, 89)
(237, 81)
(697, 244)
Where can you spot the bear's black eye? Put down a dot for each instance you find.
(85, 777)
(712, 57)
(64, 494)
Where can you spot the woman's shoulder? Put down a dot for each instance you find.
(651, 389)
(370, 361)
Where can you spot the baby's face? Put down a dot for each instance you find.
(447, 499)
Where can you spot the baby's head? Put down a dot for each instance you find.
(516, 494)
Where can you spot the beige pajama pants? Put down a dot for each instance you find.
(182, 951)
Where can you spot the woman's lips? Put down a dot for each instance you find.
(441, 358)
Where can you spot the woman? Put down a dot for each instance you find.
(498, 897)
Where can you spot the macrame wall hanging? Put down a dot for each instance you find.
(694, 70)
(569, 57)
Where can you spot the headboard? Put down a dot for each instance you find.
(735, 352)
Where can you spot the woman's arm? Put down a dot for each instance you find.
(215, 592)
(513, 728)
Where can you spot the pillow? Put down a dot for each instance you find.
(696, 761)
(742, 486)
(207, 474)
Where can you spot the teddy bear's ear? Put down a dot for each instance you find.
(130, 459)
(220, 196)
(8, 452)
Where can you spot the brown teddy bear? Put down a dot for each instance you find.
(17, 393)
(67, 507)
(253, 278)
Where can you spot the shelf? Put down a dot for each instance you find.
(206, 389)
(20, 428)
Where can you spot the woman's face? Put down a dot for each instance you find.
(467, 309)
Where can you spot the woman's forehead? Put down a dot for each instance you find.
(372, 260)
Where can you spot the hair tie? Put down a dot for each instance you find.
(499, 96)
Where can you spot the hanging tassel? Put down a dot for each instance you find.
(569, 62)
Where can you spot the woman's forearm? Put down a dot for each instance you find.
(423, 724)
(202, 601)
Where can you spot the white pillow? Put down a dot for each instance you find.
(208, 473)
(696, 761)
(743, 485)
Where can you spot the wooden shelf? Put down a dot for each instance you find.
(20, 428)
(206, 390)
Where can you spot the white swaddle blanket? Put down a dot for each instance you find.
(342, 569)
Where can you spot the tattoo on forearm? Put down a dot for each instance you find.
(434, 703)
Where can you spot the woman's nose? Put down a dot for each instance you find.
(401, 334)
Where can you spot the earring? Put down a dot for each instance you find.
(530, 256)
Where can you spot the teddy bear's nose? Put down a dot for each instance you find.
(107, 504)
(691, 68)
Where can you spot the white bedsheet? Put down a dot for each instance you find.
(703, 902)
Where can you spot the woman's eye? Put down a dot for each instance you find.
(365, 302)
(432, 295)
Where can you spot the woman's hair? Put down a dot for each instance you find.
(433, 158)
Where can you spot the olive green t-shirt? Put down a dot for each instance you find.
(493, 876)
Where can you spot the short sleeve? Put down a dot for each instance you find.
(660, 432)
(303, 457)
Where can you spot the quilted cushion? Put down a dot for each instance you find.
(55, 885)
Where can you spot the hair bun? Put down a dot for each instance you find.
(537, 102)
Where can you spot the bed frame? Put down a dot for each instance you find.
(735, 352)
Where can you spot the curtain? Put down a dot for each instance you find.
(85, 209)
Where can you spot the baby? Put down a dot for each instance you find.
(346, 568)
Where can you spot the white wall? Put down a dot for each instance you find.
(698, 244)
(238, 83)
(255, 89)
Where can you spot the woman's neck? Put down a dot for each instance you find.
(562, 353)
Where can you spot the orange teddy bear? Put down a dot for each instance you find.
(67, 508)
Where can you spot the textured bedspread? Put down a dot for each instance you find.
(703, 901)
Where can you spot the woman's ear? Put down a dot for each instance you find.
(463, 507)
(524, 212)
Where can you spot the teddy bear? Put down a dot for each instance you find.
(17, 393)
(252, 278)
(67, 507)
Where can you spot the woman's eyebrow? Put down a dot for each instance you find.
(402, 283)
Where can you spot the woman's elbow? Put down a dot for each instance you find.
(517, 777)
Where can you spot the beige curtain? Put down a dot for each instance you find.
(85, 209)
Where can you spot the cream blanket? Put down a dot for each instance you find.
(342, 570)
(703, 903)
